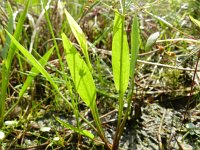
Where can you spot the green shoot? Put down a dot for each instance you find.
(134, 53)
(120, 65)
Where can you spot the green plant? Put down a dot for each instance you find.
(81, 73)
(121, 69)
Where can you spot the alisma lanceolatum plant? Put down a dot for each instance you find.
(81, 73)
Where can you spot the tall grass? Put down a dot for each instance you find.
(8, 54)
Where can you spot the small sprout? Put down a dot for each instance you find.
(45, 129)
(2, 135)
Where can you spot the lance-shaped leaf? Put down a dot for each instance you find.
(79, 35)
(80, 73)
(135, 37)
(120, 54)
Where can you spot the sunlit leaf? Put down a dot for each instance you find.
(120, 54)
(78, 33)
(80, 73)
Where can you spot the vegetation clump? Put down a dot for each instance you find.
(99, 74)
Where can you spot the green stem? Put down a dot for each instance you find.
(99, 127)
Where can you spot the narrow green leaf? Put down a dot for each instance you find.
(80, 73)
(33, 61)
(30, 78)
(6, 64)
(35, 72)
(120, 54)
(78, 130)
(17, 35)
(78, 33)
(135, 38)
(10, 29)
(151, 41)
(195, 21)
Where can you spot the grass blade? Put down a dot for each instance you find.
(30, 78)
(120, 54)
(10, 29)
(78, 130)
(17, 35)
(35, 72)
(33, 61)
(195, 21)
(37, 65)
(6, 64)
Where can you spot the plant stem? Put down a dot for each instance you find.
(99, 127)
